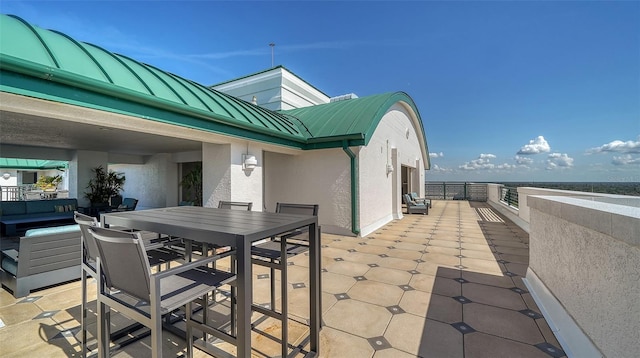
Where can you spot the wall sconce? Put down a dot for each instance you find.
(389, 168)
(249, 162)
(6, 176)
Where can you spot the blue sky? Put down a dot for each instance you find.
(507, 91)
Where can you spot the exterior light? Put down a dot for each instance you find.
(6, 176)
(389, 168)
(249, 162)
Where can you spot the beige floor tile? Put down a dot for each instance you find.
(346, 244)
(373, 249)
(387, 275)
(444, 309)
(19, 337)
(483, 255)
(454, 244)
(482, 266)
(335, 343)
(335, 283)
(20, 312)
(436, 269)
(494, 296)
(377, 293)
(404, 254)
(424, 337)
(361, 257)
(296, 274)
(397, 263)
(423, 282)
(409, 246)
(447, 260)
(491, 280)
(502, 323)
(416, 302)
(480, 345)
(447, 287)
(519, 259)
(446, 251)
(7, 298)
(359, 318)
(347, 268)
(392, 353)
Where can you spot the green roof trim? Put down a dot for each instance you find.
(31, 164)
(355, 118)
(52, 66)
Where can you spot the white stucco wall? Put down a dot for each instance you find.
(154, 183)
(585, 254)
(395, 131)
(320, 177)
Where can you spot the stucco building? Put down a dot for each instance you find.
(61, 99)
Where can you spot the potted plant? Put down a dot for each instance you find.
(102, 187)
(192, 182)
(47, 182)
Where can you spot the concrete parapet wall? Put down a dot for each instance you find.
(586, 253)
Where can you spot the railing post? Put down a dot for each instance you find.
(444, 191)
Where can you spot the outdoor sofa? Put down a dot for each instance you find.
(43, 257)
(25, 214)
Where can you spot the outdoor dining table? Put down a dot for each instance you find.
(237, 229)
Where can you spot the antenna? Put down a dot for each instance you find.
(272, 45)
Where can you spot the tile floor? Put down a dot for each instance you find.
(444, 285)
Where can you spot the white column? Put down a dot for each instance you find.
(80, 172)
(216, 173)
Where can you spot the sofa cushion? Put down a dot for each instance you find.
(13, 207)
(10, 266)
(40, 206)
(52, 230)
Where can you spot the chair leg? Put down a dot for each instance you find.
(83, 314)
(273, 288)
(103, 330)
(284, 297)
(188, 310)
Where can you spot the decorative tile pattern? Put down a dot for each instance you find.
(299, 285)
(379, 343)
(551, 350)
(462, 299)
(30, 299)
(406, 287)
(373, 265)
(518, 290)
(263, 276)
(395, 309)
(360, 278)
(460, 280)
(46, 314)
(463, 327)
(342, 296)
(532, 314)
(339, 259)
(413, 272)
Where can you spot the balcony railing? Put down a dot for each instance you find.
(13, 193)
(509, 196)
(456, 191)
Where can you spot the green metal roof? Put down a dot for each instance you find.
(50, 65)
(32, 164)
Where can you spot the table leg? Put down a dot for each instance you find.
(315, 314)
(245, 294)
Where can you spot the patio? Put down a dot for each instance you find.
(444, 285)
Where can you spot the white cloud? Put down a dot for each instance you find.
(535, 146)
(558, 160)
(436, 155)
(506, 166)
(483, 162)
(618, 146)
(625, 160)
(523, 160)
(438, 168)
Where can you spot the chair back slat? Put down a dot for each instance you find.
(123, 261)
(235, 205)
(297, 209)
(88, 242)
